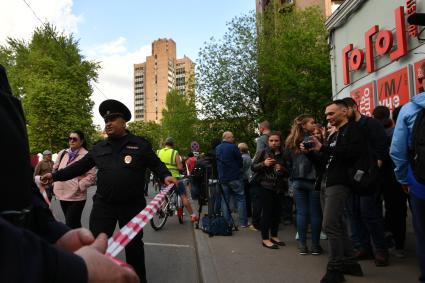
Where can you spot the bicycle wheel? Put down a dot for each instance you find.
(160, 217)
(179, 209)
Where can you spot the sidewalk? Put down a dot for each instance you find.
(242, 258)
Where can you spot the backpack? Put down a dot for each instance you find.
(201, 167)
(417, 151)
(216, 226)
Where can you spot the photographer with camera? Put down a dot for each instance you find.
(302, 179)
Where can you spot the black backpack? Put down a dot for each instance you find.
(203, 167)
(417, 152)
(198, 170)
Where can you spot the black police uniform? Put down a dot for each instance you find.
(121, 164)
(27, 227)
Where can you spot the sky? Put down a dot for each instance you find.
(118, 34)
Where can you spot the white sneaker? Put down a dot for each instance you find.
(297, 237)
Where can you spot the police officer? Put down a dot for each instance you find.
(121, 160)
(34, 247)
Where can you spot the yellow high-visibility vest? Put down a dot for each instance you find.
(168, 156)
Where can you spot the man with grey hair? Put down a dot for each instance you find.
(229, 167)
(43, 167)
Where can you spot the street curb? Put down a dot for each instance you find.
(207, 268)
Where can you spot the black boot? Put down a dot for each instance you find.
(352, 268)
(333, 276)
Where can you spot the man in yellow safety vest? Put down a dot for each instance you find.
(173, 161)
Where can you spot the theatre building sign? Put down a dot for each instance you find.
(375, 53)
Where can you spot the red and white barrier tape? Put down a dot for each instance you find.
(120, 239)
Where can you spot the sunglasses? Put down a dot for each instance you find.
(73, 139)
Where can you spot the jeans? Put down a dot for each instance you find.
(366, 221)
(418, 216)
(234, 188)
(308, 206)
(333, 200)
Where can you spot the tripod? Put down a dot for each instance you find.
(208, 187)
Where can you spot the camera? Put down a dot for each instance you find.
(308, 142)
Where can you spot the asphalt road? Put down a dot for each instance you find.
(170, 253)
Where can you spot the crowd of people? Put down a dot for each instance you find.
(349, 179)
(338, 178)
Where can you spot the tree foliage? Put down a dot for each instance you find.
(53, 80)
(226, 84)
(227, 73)
(149, 130)
(211, 129)
(294, 65)
(179, 119)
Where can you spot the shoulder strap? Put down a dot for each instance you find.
(416, 127)
(61, 157)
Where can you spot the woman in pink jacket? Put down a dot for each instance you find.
(73, 193)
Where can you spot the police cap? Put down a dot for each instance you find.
(111, 107)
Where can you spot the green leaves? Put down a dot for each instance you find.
(149, 130)
(227, 73)
(53, 80)
(294, 65)
(179, 119)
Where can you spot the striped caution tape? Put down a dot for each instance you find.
(120, 239)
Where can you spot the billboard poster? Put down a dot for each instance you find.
(418, 84)
(393, 90)
(364, 98)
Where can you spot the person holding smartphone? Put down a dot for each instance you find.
(302, 177)
(269, 164)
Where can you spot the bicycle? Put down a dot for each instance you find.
(172, 204)
(156, 183)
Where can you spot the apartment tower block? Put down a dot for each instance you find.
(153, 79)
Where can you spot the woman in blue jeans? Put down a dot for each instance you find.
(302, 179)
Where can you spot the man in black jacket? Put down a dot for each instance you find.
(365, 211)
(121, 161)
(34, 246)
(344, 147)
